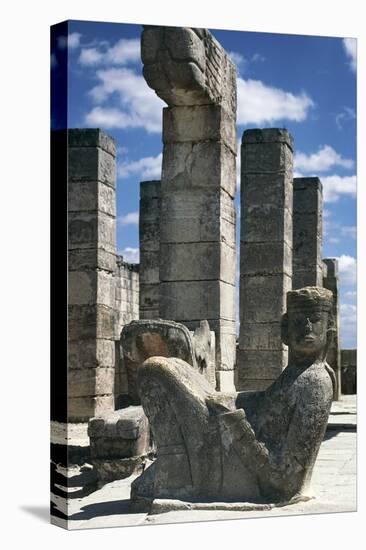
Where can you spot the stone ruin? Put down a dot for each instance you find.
(179, 302)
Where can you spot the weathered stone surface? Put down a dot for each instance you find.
(198, 217)
(80, 409)
(90, 164)
(92, 381)
(199, 123)
(349, 371)
(265, 252)
(124, 433)
(91, 137)
(93, 353)
(242, 447)
(307, 233)
(331, 282)
(207, 165)
(149, 233)
(91, 278)
(91, 196)
(91, 321)
(197, 262)
(203, 300)
(186, 69)
(191, 72)
(91, 230)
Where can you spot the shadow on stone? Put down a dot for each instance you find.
(112, 508)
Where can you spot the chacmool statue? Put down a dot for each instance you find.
(249, 446)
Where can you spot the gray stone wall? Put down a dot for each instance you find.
(127, 310)
(307, 233)
(149, 230)
(265, 254)
(91, 273)
(197, 229)
(331, 282)
(349, 371)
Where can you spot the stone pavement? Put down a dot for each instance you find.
(334, 486)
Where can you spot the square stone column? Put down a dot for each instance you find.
(197, 225)
(149, 230)
(331, 282)
(307, 233)
(193, 74)
(91, 273)
(265, 254)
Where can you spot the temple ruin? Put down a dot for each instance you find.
(183, 290)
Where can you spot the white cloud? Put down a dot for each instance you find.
(336, 186)
(90, 56)
(257, 57)
(139, 105)
(71, 41)
(323, 160)
(130, 255)
(347, 266)
(350, 47)
(262, 104)
(349, 231)
(147, 167)
(123, 52)
(345, 116)
(352, 294)
(238, 59)
(132, 218)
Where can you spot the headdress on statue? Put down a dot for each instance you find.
(310, 297)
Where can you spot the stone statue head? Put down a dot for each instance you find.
(307, 327)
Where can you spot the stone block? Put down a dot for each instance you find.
(272, 190)
(121, 434)
(81, 409)
(197, 217)
(91, 230)
(268, 135)
(203, 300)
(149, 298)
(197, 262)
(84, 196)
(88, 354)
(266, 258)
(254, 385)
(263, 299)
(266, 158)
(199, 123)
(92, 381)
(91, 321)
(308, 196)
(91, 164)
(91, 287)
(204, 165)
(260, 364)
(149, 264)
(80, 259)
(91, 137)
(266, 223)
(261, 336)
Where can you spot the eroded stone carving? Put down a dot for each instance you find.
(247, 446)
(147, 338)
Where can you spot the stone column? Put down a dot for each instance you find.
(149, 228)
(191, 72)
(265, 254)
(91, 278)
(307, 233)
(331, 282)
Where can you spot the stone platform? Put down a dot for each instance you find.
(334, 484)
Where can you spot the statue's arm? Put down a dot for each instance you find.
(282, 469)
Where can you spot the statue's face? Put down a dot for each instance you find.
(307, 331)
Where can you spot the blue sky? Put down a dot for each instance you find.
(306, 84)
